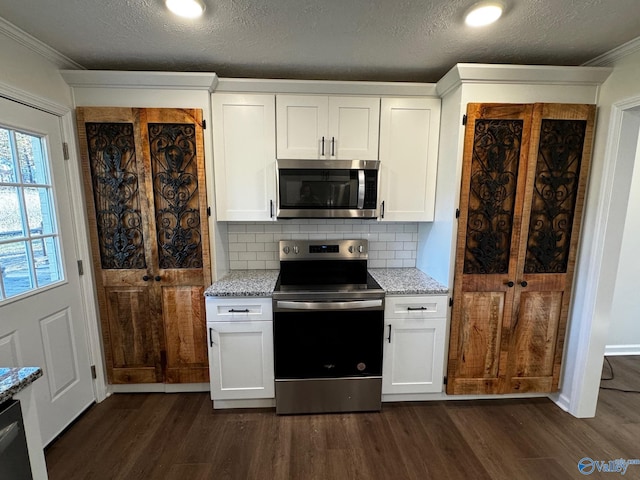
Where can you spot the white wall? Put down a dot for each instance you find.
(24, 69)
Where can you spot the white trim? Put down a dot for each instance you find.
(614, 350)
(83, 252)
(21, 96)
(520, 74)
(561, 400)
(160, 387)
(325, 87)
(612, 56)
(250, 403)
(35, 45)
(144, 80)
(440, 396)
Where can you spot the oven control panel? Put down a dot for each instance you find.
(323, 249)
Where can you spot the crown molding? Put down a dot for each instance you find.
(21, 96)
(325, 87)
(133, 79)
(465, 73)
(612, 56)
(32, 43)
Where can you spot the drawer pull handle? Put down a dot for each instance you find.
(416, 308)
(233, 310)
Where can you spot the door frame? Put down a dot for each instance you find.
(80, 232)
(598, 263)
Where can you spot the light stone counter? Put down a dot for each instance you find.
(244, 283)
(407, 281)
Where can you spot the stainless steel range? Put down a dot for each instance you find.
(328, 328)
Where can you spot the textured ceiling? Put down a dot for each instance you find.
(379, 40)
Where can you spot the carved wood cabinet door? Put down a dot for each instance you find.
(146, 205)
(525, 169)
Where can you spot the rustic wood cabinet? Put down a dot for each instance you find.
(146, 205)
(525, 169)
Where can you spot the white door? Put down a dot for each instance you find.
(409, 131)
(354, 125)
(41, 310)
(301, 126)
(413, 356)
(241, 360)
(244, 149)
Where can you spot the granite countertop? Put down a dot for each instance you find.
(407, 281)
(260, 283)
(244, 283)
(14, 380)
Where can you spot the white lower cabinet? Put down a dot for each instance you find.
(413, 361)
(240, 348)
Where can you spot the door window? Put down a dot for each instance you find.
(29, 243)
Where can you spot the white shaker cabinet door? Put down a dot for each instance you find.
(302, 127)
(244, 153)
(413, 359)
(354, 126)
(241, 360)
(409, 132)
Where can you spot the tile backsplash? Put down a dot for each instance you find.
(254, 245)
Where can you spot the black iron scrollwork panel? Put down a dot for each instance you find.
(175, 186)
(554, 195)
(112, 157)
(494, 173)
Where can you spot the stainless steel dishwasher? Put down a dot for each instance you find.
(14, 455)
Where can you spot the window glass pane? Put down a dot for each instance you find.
(14, 263)
(11, 221)
(45, 256)
(39, 212)
(31, 158)
(7, 169)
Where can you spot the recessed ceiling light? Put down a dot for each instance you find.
(186, 8)
(483, 13)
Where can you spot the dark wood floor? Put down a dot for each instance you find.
(179, 436)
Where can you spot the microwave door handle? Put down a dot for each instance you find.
(360, 189)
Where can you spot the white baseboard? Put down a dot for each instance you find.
(561, 400)
(614, 350)
(249, 403)
(160, 388)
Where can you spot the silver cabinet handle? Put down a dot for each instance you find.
(355, 305)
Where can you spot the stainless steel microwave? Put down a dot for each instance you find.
(327, 188)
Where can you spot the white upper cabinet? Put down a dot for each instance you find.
(244, 153)
(409, 132)
(315, 127)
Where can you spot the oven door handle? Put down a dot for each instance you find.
(352, 305)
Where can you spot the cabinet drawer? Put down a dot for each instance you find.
(423, 306)
(240, 309)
